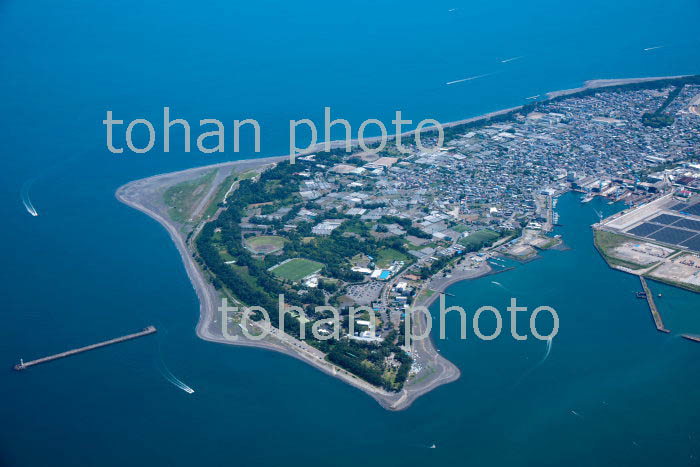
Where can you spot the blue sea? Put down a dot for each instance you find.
(611, 390)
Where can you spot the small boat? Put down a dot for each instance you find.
(641, 294)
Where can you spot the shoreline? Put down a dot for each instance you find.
(135, 195)
(138, 195)
(208, 296)
(588, 85)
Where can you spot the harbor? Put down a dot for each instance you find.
(22, 365)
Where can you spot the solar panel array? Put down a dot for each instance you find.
(666, 219)
(686, 208)
(671, 235)
(673, 229)
(679, 207)
(688, 224)
(693, 243)
(644, 229)
(694, 209)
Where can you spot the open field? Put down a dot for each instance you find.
(265, 243)
(522, 251)
(682, 271)
(247, 175)
(643, 253)
(182, 198)
(544, 242)
(476, 239)
(386, 256)
(296, 269)
(608, 242)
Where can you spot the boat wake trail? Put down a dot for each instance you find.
(26, 200)
(547, 351)
(471, 78)
(653, 48)
(167, 374)
(24, 192)
(512, 59)
(498, 284)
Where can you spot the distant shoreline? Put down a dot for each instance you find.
(589, 85)
(142, 195)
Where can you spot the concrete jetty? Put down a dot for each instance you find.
(23, 365)
(652, 306)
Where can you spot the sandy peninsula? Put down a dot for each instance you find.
(146, 195)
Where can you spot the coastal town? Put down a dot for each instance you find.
(389, 231)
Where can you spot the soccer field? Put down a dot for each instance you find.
(296, 269)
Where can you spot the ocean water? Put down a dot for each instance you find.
(611, 391)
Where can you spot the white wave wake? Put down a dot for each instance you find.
(498, 284)
(549, 349)
(168, 375)
(24, 193)
(26, 200)
(471, 78)
(512, 59)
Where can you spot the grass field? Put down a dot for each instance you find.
(265, 243)
(476, 240)
(242, 272)
(225, 255)
(247, 175)
(296, 269)
(183, 197)
(386, 256)
(411, 246)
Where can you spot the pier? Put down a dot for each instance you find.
(23, 365)
(691, 338)
(652, 306)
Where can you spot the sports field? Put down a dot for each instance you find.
(478, 239)
(296, 269)
(265, 243)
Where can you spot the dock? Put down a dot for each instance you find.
(24, 365)
(691, 338)
(652, 306)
